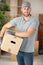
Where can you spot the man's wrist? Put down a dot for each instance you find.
(1, 36)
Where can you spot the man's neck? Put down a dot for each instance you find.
(26, 18)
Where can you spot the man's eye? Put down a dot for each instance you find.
(26, 9)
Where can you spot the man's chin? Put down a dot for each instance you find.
(26, 15)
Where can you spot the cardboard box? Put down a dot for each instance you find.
(13, 57)
(11, 43)
(36, 48)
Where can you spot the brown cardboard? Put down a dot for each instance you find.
(10, 47)
(41, 18)
(36, 48)
(13, 57)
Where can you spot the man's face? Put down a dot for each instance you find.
(26, 11)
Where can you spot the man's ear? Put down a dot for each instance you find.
(30, 9)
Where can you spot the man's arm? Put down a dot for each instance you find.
(33, 27)
(7, 25)
(27, 33)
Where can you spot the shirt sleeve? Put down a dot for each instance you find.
(13, 22)
(34, 24)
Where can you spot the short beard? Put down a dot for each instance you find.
(26, 15)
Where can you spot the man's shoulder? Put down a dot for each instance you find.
(34, 19)
(35, 22)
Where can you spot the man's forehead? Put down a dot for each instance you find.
(26, 7)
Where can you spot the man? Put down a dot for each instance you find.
(27, 29)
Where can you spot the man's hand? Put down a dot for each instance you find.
(27, 33)
(0, 34)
